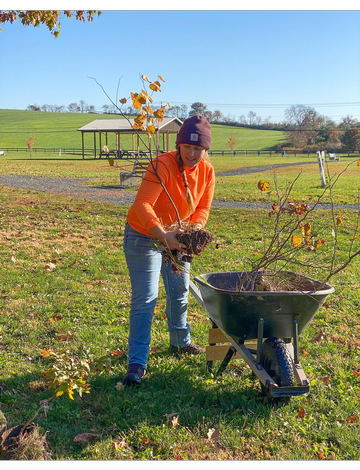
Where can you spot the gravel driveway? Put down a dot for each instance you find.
(76, 188)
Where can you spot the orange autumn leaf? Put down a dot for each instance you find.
(304, 352)
(159, 114)
(123, 100)
(140, 119)
(117, 352)
(356, 373)
(65, 336)
(307, 229)
(263, 185)
(169, 105)
(319, 243)
(358, 162)
(296, 241)
(301, 413)
(148, 109)
(161, 78)
(46, 353)
(154, 87)
(136, 104)
(339, 220)
(150, 130)
(353, 419)
(321, 455)
(138, 100)
(147, 96)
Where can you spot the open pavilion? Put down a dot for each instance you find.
(120, 126)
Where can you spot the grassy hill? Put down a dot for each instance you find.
(59, 130)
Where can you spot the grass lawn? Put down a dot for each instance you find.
(64, 286)
(59, 130)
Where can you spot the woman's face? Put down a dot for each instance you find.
(191, 155)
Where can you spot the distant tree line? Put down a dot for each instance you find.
(305, 128)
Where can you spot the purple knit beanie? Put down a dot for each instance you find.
(195, 130)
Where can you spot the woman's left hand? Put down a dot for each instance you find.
(168, 239)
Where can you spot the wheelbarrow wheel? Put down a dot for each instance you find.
(276, 360)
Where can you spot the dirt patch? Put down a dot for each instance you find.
(271, 281)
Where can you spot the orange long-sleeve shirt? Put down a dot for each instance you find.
(152, 206)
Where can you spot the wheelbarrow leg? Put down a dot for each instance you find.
(209, 364)
(226, 360)
(294, 350)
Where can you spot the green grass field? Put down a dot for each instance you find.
(59, 130)
(64, 286)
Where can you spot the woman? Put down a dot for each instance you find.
(189, 179)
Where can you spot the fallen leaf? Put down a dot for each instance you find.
(50, 266)
(121, 445)
(84, 438)
(356, 373)
(304, 352)
(55, 318)
(68, 336)
(118, 352)
(119, 386)
(213, 434)
(320, 336)
(301, 413)
(321, 455)
(175, 421)
(325, 379)
(353, 419)
(46, 352)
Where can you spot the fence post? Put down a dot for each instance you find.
(321, 158)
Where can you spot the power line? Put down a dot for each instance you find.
(263, 105)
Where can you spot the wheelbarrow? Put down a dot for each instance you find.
(275, 319)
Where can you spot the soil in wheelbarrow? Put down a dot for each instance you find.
(195, 240)
(272, 281)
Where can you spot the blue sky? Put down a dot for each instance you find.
(234, 61)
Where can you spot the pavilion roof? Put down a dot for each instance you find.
(123, 126)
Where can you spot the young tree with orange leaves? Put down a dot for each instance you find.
(50, 18)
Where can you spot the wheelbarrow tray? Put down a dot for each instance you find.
(244, 315)
(237, 313)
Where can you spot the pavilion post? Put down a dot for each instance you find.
(82, 144)
(100, 143)
(94, 144)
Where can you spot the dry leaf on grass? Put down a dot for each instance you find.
(85, 437)
(119, 386)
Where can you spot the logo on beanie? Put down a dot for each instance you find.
(194, 137)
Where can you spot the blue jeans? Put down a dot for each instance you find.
(144, 261)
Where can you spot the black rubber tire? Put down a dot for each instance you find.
(276, 360)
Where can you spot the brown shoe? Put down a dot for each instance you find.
(189, 349)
